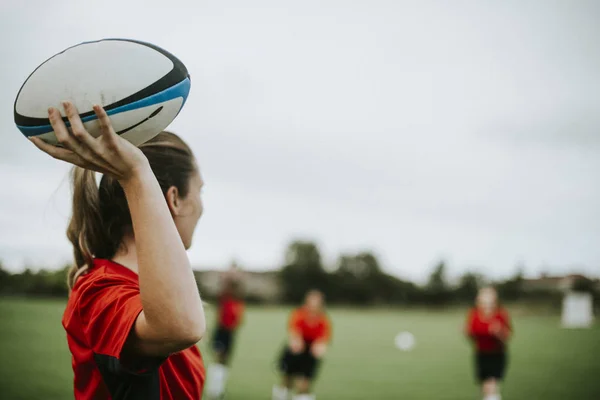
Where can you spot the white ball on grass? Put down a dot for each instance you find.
(404, 341)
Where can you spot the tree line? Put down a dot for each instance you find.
(356, 279)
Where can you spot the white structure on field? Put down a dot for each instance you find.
(577, 310)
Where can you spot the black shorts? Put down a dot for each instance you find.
(490, 365)
(303, 364)
(222, 341)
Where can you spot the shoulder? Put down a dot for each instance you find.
(98, 285)
(297, 310)
(102, 276)
(105, 280)
(473, 314)
(297, 313)
(503, 313)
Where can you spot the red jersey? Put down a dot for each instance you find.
(100, 314)
(311, 327)
(231, 311)
(479, 329)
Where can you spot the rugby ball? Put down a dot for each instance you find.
(141, 86)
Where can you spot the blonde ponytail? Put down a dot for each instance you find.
(85, 216)
(101, 219)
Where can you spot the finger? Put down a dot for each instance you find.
(59, 153)
(60, 129)
(65, 139)
(80, 142)
(77, 128)
(105, 125)
(63, 154)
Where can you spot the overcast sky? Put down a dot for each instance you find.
(421, 130)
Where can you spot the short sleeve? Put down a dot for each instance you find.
(295, 322)
(240, 309)
(109, 308)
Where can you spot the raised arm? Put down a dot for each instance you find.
(173, 317)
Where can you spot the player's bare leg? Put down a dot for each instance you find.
(217, 376)
(491, 390)
(303, 390)
(283, 391)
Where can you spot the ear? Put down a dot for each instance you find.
(172, 197)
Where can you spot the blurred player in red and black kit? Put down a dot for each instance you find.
(309, 332)
(231, 311)
(488, 325)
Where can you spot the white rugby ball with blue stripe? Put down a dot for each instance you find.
(141, 86)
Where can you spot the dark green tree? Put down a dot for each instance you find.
(437, 289)
(303, 271)
(359, 280)
(512, 288)
(468, 286)
(352, 281)
(363, 266)
(583, 285)
(5, 279)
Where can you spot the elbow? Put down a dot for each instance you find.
(197, 334)
(187, 333)
(190, 339)
(184, 343)
(194, 331)
(167, 333)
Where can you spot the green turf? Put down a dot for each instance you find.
(546, 362)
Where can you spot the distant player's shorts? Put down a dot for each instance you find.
(303, 365)
(490, 365)
(222, 340)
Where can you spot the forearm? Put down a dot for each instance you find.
(293, 335)
(168, 290)
(319, 348)
(322, 340)
(504, 334)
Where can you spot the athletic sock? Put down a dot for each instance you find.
(304, 397)
(492, 397)
(280, 393)
(216, 376)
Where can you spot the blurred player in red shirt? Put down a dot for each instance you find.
(134, 313)
(309, 332)
(488, 326)
(230, 315)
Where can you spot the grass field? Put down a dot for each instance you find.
(546, 362)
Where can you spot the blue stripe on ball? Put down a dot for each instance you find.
(181, 89)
